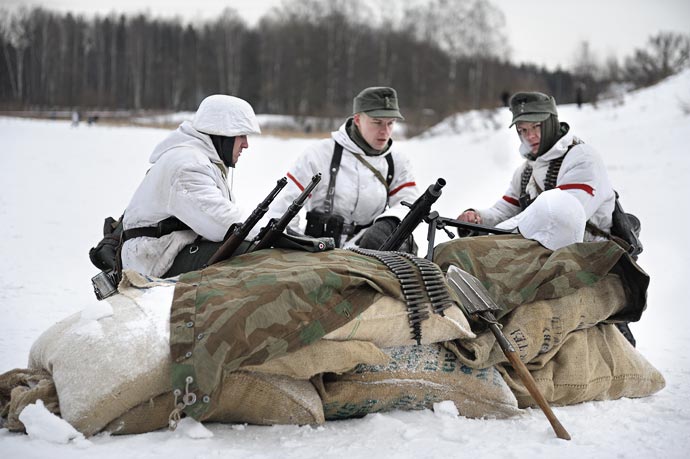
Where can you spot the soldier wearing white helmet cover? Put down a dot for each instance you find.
(183, 208)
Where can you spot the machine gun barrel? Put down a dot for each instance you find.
(418, 212)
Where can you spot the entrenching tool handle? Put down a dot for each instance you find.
(528, 381)
(478, 304)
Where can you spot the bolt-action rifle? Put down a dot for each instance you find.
(240, 232)
(271, 232)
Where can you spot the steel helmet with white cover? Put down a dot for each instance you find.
(227, 116)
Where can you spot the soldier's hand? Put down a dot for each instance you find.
(470, 216)
(376, 234)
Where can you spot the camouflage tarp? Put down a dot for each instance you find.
(518, 271)
(260, 306)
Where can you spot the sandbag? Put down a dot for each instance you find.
(596, 363)
(541, 326)
(21, 387)
(386, 324)
(263, 305)
(245, 397)
(415, 378)
(126, 338)
(517, 271)
(110, 357)
(323, 356)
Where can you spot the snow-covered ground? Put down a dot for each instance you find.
(59, 182)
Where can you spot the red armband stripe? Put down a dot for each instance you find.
(577, 186)
(512, 201)
(404, 185)
(299, 185)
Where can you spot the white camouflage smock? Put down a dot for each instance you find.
(359, 198)
(582, 174)
(187, 181)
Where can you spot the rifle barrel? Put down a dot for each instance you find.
(240, 233)
(268, 237)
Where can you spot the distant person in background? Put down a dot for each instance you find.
(75, 118)
(505, 98)
(358, 202)
(183, 209)
(579, 94)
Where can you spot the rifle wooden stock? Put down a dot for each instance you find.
(418, 212)
(240, 233)
(270, 233)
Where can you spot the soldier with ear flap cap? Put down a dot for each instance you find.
(554, 158)
(184, 207)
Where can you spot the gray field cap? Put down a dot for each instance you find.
(533, 107)
(377, 102)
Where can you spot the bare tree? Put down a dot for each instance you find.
(665, 54)
(15, 33)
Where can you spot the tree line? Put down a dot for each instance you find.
(302, 58)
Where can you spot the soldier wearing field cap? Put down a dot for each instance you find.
(554, 158)
(364, 180)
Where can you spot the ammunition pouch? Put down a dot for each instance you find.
(104, 255)
(323, 225)
(320, 224)
(627, 227)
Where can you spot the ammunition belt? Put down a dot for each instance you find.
(422, 283)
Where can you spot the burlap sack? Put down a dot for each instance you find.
(21, 387)
(593, 364)
(129, 344)
(416, 378)
(246, 397)
(105, 362)
(323, 357)
(542, 326)
(385, 323)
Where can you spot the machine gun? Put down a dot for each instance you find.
(421, 211)
(240, 232)
(418, 212)
(270, 233)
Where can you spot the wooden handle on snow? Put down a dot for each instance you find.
(526, 377)
(531, 386)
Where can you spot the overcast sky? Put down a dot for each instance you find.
(543, 32)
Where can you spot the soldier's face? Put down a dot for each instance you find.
(241, 142)
(376, 131)
(530, 134)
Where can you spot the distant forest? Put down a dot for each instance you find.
(302, 58)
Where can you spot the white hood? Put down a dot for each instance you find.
(225, 115)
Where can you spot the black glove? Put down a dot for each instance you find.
(376, 234)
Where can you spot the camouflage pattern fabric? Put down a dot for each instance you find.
(518, 271)
(259, 306)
